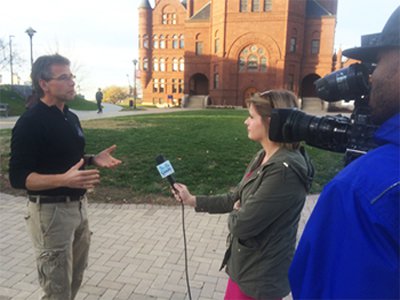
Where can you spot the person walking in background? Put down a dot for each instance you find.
(264, 208)
(99, 98)
(351, 244)
(47, 160)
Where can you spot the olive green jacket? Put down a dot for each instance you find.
(263, 231)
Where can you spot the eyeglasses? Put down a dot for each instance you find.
(63, 77)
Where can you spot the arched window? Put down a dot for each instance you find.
(162, 85)
(199, 45)
(174, 64)
(252, 59)
(216, 77)
(155, 85)
(145, 41)
(162, 64)
(181, 41)
(155, 41)
(164, 18)
(175, 41)
(145, 64)
(173, 18)
(181, 64)
(162, 41)
(155, 64)
(216, 42)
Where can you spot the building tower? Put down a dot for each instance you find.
(145, 42)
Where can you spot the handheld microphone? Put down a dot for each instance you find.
(165, 169)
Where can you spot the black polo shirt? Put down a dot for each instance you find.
(47, 141)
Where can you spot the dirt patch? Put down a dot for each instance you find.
(114, 124)
(103, 194)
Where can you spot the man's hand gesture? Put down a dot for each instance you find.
(105, 160)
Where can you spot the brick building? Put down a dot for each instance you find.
(220, 52)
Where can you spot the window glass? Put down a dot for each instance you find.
(155, 41)
(162, 85)
(314, 46)
(263, 64)
(252, 63)
(175, 64)
(292, 48)
(145, 41)
(174, 41)
(162, 64)
(267, 5)
(162, 41)
(255, 6)
(155, 85)
(216, 80)
(243, 6)
(155, 64)
(199, 48)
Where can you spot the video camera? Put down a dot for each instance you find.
(352, 136)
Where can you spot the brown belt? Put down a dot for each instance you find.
(40, 199)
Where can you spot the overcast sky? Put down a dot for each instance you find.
(100, 37)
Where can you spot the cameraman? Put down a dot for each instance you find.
(350, 246)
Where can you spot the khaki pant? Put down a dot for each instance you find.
(61, 237)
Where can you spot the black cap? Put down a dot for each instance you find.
(371, 44)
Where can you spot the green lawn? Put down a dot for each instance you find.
(209, 150)
(16, 102)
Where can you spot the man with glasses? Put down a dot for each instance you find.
(48, 161)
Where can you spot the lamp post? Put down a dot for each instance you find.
(11, 59)
(134, 83)
(30, 31)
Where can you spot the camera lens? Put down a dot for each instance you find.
(344, 84)
(291, 126)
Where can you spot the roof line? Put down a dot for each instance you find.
(322, 7)
(200, 10)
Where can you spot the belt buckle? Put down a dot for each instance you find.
(37, 198)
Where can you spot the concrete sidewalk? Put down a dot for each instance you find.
(136, 252)
(109, 111)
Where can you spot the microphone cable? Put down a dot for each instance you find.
(185, 249)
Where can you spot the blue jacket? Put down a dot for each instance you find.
(350, 246)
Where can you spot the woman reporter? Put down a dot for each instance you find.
(264, 209)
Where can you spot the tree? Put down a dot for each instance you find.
(5, 56)
(115, 94)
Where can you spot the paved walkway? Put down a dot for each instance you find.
(109, 110)
(136, 252)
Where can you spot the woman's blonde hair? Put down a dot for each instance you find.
(264, 102)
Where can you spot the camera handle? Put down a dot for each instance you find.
(361, 137)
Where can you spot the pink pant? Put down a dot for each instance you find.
(233, 292)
